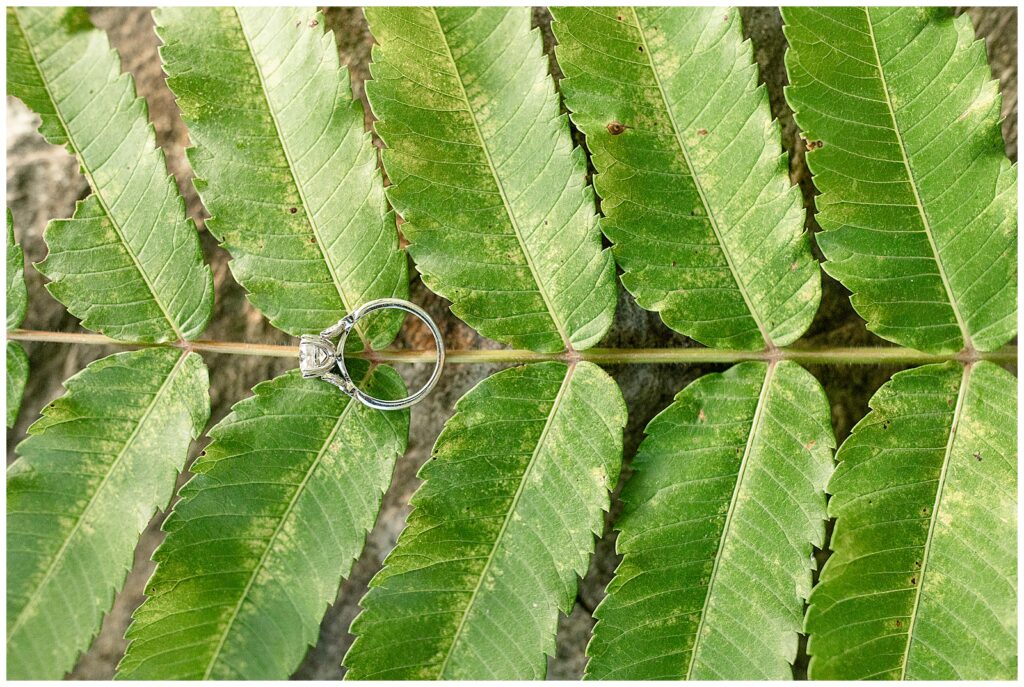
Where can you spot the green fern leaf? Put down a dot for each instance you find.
(128, 264)
(284, 163)
(724, 505)
(918, 201)
(17, 378)
(97, 465)
(498, 214)
(922, 584)
(694, 184)
(279, 508)
(501, 528)
(17, 293)
(17, 304)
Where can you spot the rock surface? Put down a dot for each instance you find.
(43, 183)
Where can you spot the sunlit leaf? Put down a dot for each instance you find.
(918, 201)
(284, 163)
(94, 469)
(722, 510)
(500, 530)
(128, 264)
(499, 216)
(922, 581)
(694, 184)
(17, 304)
(17, 294)
(279, 508)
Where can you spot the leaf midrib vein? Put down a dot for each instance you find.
(299, 491)
(712, 218)
(321, 245)
(755, 426)
(936, 504)
(541, 441)
(912, 179)
(513, 220)
(87, 172)
(34, 598)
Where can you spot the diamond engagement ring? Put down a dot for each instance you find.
(320, 357)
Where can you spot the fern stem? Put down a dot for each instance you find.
(864, 355)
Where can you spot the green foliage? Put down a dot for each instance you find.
(256, 548)
(919, 209)
(501, 222)
(503, 524)
(726, 500)
(284, 163)
(727, 497)
(104, 457)
(918, 201)
(922, 581)
(17, 294)
(17, 378)
(498, 213)
(17, 304)
(128, 264)
(694, 184)
(94, 469)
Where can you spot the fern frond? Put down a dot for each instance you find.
(256, 548)
(17, 378)
(499, 216)
(17, 292)
(284, 164)
(722, 510)
(92, 472)
(501, 528)
(694, 184)
(918, 201)
(922, 581)
(128, 264)
(17, 304)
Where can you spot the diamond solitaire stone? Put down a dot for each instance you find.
(316, 356)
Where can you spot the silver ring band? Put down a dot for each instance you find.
(318, 356)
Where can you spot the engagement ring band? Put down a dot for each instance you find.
(320, 357)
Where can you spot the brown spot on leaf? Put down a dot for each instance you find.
(814, 145)
(899, 623)
(615, 128)
(794, 265)
(913, 581)
(702, 132)
(673, 263)
(640, 48)
(810, 444)
(701, 416)
(293, 210)
(977, 456)
(619, 17)
(313, 23)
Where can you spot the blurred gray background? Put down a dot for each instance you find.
(43, 183)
